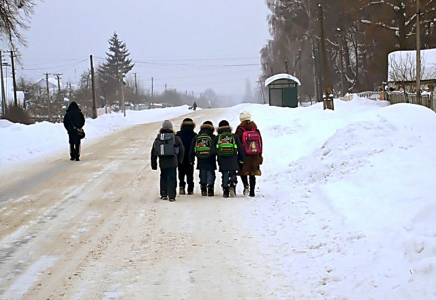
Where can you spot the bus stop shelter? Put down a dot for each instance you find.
(283, 90)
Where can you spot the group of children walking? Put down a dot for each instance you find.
(237, 154)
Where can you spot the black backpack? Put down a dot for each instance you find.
(165, 144)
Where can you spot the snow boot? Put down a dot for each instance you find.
(225, 192)
(182, 191)
(190, 189)
(232, 190)
(203, 190)
(246, 190)
(210, 190)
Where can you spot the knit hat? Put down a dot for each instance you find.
(187, 120)
(208, 123)
(245, 116)
(223, 123)
(167, 125)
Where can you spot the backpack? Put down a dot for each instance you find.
(251, 141)
(165, 144)
(203, 145)
(226, 144)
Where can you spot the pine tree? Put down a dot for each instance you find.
(111, 73)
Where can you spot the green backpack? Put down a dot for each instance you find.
(203, 146)
(226, 144)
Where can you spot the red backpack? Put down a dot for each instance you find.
(251, 141)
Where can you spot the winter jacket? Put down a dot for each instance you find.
(166, 162)
(187, 135)
(204, 163)
(251, 165)
(73, 119)
(229, 163)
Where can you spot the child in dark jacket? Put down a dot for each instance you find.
(229, 153)
(206, 162)
(168, 161)
(186, 169)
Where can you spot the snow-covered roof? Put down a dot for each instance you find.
(52, 83)
(399, 61)
(281, 76)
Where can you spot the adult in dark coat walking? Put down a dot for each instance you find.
(206, 166)
(229, 164)
(73, 120)
(251, 166)
(168, 164)
(186, 169)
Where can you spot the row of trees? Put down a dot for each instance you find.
(359, 35)
(109, 77)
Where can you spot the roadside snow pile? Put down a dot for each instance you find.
(352, 194)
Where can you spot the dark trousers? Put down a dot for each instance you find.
(207, 177)
(186, 170)
(228, 177)
(168, 182)
(252, 184)
(74, 148)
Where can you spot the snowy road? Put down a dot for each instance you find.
(95, 229)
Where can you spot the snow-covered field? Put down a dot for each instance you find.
(346, 205)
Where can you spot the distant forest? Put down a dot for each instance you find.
(359, 35)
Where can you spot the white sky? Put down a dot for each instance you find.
(347, 195)
(185, 44)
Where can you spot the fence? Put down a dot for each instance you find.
(371, 95)
(427, 99)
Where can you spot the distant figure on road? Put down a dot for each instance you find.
(194, 106)
(74, 120)
(169, 148)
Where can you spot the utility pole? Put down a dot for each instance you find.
(136, 86)
(299, 64)
(58, 77)
(261, 90)
(123, 102)
(13, 79)
(328, 101)
(152, 86)
(2, 86)
(94, 105)
(418, 53)
(341, 61)
(48, 96)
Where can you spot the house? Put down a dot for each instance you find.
(9, 92)
(402, 70)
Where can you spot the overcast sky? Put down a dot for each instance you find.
(189, 45)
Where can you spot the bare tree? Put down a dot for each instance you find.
(402, 69)
(14, 17)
